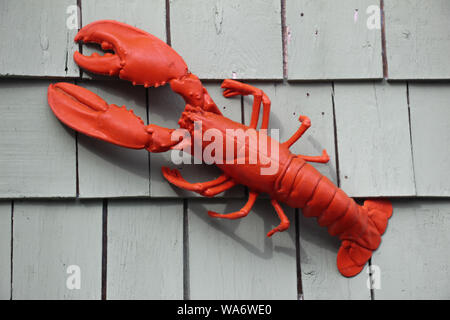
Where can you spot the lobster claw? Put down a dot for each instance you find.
(86, 112)
(138, 56)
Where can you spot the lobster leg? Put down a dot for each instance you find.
(234, 88)
(174, 176)
(284, 224)
(211, 192)
(238, 214)
(324, 158)
(306, 123)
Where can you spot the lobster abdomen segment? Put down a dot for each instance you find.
(359, 227)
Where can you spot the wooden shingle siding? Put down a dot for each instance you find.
(413, 259)
(320, 276)
(37, 152)
(289, 101)
(51, 240)
(373, 139)
(145, 249)
(224, 39)
(36, 38)
(5, 250)
(107, 170)
(233, 259)
(165, 108)
(149, 16)
(331, 40)
(430, 129)
(417, 39)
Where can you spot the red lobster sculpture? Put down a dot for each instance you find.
(146, 60)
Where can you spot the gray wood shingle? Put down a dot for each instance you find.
(5, 250)
(145, 249)
(373, 139)
(430, 130)
(417, 39)
(37, 152)
(412, 261)
(331, 40)
(48, 238)
(37, 40)
(233, 259)
(222, 39)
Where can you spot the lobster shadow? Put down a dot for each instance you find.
(249, 231)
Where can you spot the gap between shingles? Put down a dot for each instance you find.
(410, 136)
(12, 252)
(186, 280)
(80, 25)
(168, 34)
(336, 151)
(147, 105)
(297, 254)
(371, 289)
(284, 38)
(77, 173)
(383, 40)
(104, 248)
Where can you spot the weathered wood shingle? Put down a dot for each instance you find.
(332, 40)
(430, 129)
(224, 39)
(145, 249)
(418, 39)
(413, 259)
(233, 259)
(319, 274)
(37, 152)
(5, 250)
(37, 38)
(373, 139)
(48, 238)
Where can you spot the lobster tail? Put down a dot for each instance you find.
(358, 227)
(359, 241)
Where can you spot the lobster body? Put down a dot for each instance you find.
(299, 185)
(257, 160)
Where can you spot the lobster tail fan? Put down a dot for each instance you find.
(379, 212)
(353, 256)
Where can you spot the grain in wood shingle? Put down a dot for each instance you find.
(37, 38)
(37, 152)
(430, 132)
(413, 259)
(418, 39)
(332, 40)
(225, 39)
(373, 139)
(5, 250)
(233, 259)
(145, 249)
(53, 243)
(319, 274)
